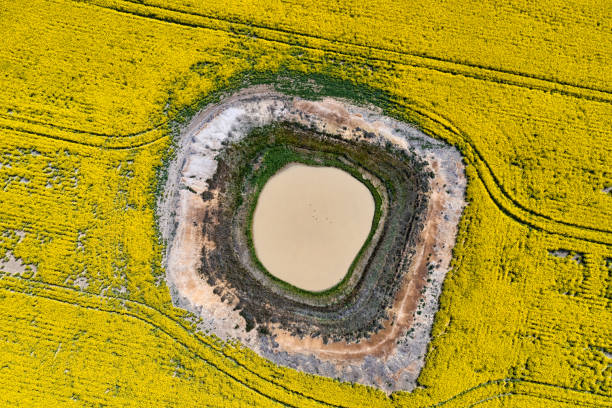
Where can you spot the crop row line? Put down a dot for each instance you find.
(22, 119)
(365, 53)
(580, 231)
(249, 25)
(503, 200)
(140, 9)
(139, 145)
(521, 381)
(146, 313)
(259, 31)
(332, 46)
(485, 73)
(479, 158)
(544, 397)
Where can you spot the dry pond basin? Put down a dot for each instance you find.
(315, 233)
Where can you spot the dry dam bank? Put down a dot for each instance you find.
(254, 267)
(307, 230)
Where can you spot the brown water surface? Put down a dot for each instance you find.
(309, 224)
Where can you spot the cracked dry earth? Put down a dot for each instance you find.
(391, 358)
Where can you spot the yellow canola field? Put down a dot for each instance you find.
(88, 91)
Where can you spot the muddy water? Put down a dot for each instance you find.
(309, 224)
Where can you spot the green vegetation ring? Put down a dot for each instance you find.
(273, 147)
(275, 159)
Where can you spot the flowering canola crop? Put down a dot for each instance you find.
(90, 93)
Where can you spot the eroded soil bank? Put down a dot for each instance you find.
(392, 357)
(356, 307)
